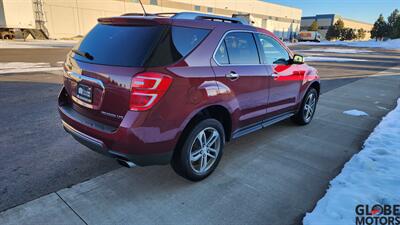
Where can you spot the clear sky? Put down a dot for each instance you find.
(363, 10)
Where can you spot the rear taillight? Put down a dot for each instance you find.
(147, 89)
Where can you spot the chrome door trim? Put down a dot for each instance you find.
(245, 31)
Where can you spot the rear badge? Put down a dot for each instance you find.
(112, 115)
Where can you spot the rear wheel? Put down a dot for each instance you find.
(307, 109)
(201, 151)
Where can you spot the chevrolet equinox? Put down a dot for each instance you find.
(173, 88)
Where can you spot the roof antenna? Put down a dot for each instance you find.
(144, 11)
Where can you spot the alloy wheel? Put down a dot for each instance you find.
(309, 107)
(204, 150)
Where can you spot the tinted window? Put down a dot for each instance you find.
(274, 53)
(176, 44)
(221, 55)
(185, 39)
(241, 48)
(119, 45)
(139, 45)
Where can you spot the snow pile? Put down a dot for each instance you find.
(331, 59)
(355, 112)
(390, 44)
(370, 177)
(23, 67)
(36, 44)
(337, 50)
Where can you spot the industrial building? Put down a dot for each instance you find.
(71, 18)
(326, 20)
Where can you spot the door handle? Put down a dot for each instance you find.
(275, 76)
(232, 75)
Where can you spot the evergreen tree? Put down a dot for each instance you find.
(379, 31)
(330, 34)
(314, 26)
(361, 34)
(396, 28)
(348, 34)
(335, 32)
(393, 24)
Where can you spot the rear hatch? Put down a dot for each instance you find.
(99, 70)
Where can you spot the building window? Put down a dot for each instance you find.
(153, 2)
(135, 1)
(264, 23)
(196, 8)
(210, 10)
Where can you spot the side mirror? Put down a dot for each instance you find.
(298, 59)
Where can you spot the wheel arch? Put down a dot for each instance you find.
(315, 85)
(217, 112)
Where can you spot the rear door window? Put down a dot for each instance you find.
(241, 48)
(221, 56)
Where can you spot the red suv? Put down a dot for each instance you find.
(159, 89)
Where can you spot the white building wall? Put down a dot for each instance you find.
(70, 18)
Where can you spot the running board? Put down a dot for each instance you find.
(257, 126)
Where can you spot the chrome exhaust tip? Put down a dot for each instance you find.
(125, 163)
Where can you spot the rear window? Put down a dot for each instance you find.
(139, 45)
(119, 45)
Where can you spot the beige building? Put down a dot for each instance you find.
(326, 20)
(70, 18)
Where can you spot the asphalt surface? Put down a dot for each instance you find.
(37, 157)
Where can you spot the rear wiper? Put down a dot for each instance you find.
(83, 54)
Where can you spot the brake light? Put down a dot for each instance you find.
(147, 89)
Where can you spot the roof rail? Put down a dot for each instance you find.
(199, 16)
(136, 14)
(194, 16)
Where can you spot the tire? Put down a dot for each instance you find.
(303, 116)
(188, 160)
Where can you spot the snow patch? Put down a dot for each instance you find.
(24, 67)
(331, 59)
(381, 107)
(355, 112)
(370, 177)
(36, 44)
(390, 44)
(337, 50)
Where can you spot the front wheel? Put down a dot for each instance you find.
(201, 151)
(307, 108)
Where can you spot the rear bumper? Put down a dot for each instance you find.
(99, 147)
(132, 140)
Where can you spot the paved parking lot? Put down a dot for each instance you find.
(38, 158)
